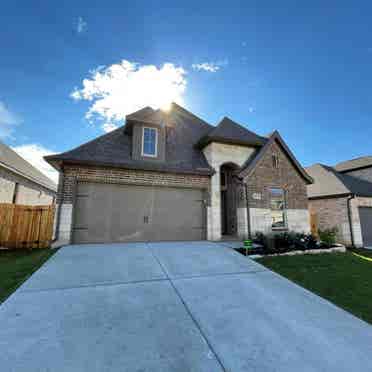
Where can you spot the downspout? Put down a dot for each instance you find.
(61, 193)
(350, 219)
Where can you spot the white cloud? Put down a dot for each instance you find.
(109, 127)
(7, 121)
(81, 25)
(123, 88)
(34, 153)
(209, 66)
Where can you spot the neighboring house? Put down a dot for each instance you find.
(169, 175)
(21, 183)
(341, 197)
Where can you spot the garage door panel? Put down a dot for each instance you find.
(119, 213)
(365, 215)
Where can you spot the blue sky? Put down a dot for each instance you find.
(305, 71)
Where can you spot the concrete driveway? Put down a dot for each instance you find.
(195, 306)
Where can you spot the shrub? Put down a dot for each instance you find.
(285, 242)
(328, 236)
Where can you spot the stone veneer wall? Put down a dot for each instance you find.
(286, 176)
(218, 154)
(73, 174)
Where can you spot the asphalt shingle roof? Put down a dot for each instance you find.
(185, 135)
(329, 182)
(114, 148)
(17, 164)
(229, 131)
(364, 161)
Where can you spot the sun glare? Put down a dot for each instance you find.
(166, 106)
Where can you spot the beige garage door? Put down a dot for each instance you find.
(118, 213)
(365, 214)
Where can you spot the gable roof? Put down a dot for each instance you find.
(114, 149)
(254, 159)
(228, 131)
(329, 182)
(353, 164)
(140, 114)
(11, 160)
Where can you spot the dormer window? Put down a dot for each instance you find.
(149, 142)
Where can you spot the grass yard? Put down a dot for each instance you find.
(342, 278)
(17, 265)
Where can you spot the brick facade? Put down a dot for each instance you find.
(263, 177)
(72, 174)
(331, 213)
(285, 176)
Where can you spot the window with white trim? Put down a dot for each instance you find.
(277, 208)
(149, 141)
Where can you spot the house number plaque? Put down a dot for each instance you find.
(256, 196)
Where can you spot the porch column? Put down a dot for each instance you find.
(214, 210)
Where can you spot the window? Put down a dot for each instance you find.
(149, 142)
(275, 161)
(277, 207)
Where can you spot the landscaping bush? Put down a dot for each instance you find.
(328, 236)
(285, 242)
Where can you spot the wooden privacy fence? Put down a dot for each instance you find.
(24, 226)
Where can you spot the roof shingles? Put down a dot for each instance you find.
(114, 149)
(17, 164)
(348, 165)
(329, 182)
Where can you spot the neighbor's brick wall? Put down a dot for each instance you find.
(286, 176)
(73, 173)
(29, 193)
(332, 212)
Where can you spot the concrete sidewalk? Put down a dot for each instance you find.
(190, 306)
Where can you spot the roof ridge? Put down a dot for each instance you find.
(240, 126)
(352, 159)
(182, 109)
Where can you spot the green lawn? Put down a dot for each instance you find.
(342, 278)
(17, 265)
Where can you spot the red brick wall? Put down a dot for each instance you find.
(332, 212)
(285, 176)
(74, 173)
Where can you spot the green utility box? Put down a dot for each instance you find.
(248, 244)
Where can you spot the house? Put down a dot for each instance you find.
(21, 183)
(341, 197)
(169, 175)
